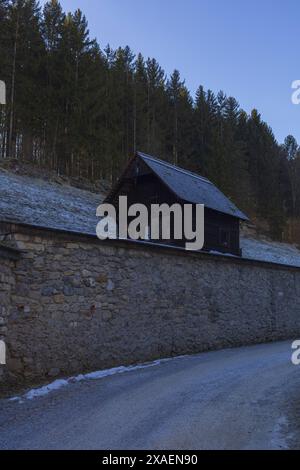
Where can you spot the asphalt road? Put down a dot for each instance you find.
(245, 398)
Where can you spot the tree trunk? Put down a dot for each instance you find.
(12, 96)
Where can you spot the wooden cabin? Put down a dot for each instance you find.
(148, 180)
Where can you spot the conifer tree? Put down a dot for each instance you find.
(25, 49)
(156, 124)
(140, 106)
(84, 111)
(180, 105)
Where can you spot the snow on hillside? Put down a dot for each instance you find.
(31, 200)
(267, 250)
(34, 201)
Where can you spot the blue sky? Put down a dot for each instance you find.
(248, 48)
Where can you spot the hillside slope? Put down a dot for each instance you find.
(32, 200)
(269, 250)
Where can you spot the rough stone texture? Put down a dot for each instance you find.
(80, 304)
(6, 286)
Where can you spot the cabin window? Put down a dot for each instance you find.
(224, 237)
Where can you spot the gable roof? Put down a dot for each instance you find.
(191, 187)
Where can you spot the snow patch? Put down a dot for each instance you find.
(267, 250)
(60, 383)
(220, 253)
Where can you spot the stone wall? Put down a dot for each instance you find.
(79, 304)
(6, 287)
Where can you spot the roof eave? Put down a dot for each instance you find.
(241, 215)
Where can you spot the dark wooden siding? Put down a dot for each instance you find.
(221, 230)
